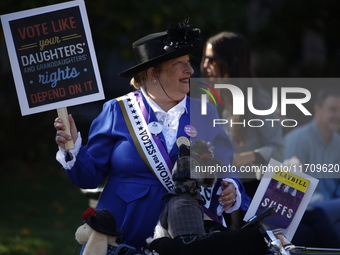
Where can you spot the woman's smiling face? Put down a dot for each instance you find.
(175, 77)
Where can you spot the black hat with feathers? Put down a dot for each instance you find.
(178, 40)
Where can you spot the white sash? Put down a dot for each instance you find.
(145, 143)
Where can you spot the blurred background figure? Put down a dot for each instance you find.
(316, 143)
(227, 55)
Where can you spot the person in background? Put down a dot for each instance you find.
(314, 144)
(133, 143)
(317, 142)
(227, 55)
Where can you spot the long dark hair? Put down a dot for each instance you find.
(233, 55)
(233, 60)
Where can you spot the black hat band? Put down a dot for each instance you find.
(149, 50)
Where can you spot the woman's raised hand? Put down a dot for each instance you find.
(61, 136)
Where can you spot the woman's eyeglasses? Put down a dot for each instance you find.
(210, 60)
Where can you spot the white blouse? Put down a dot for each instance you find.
(169, 120)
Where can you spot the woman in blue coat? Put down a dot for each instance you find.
(134, 141)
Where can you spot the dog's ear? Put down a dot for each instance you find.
(97, 244)
(183, 151)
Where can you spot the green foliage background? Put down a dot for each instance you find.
(40, 208)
